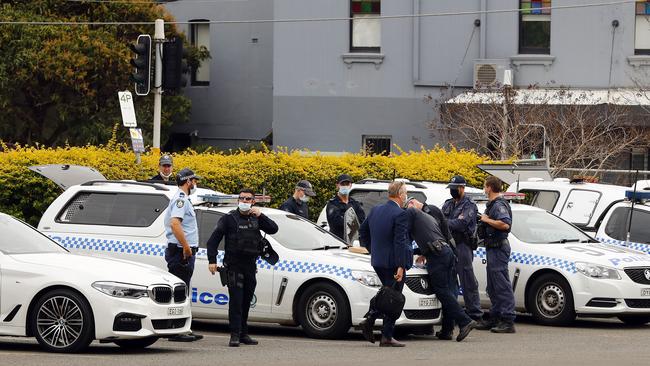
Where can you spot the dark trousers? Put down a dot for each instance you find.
(179, 267)
(468, 281)
(241, 289)
(441, 270)
(499, 288)
(386, 276)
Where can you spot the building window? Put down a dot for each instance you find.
(535, 27)
(365, 33)
(200, 37)
(376, 145)
(642, 29)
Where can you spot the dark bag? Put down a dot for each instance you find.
(390, 302)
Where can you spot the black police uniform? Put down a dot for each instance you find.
(158, 177)
(335, 211)
(296, 207)
(243, 247)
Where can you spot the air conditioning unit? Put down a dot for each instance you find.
(489, 74)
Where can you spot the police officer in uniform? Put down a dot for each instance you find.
(164, 169)
(182, 235)
(297, 204)
(435, 250)
(337, 206)
(241, 227)
(461, 214)
(497, 221)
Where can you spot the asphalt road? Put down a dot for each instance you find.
(588, 342)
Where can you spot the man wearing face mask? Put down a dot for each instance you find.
(241, 227)
(337, 206)
(461, 213)
(182, 235)
(164, 169)
(297, 204)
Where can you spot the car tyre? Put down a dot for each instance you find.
(137, 343)
(62, 321)
(323, 311)
(634, 320)
(550, 300)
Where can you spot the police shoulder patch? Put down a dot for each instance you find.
(180, 203)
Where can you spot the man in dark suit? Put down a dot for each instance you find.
(385, 234)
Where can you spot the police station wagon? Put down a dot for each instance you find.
(317, 282)
(558, 272)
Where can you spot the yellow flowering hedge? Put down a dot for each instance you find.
(26, 194)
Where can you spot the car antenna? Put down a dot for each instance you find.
(629, 223)
(394, 173)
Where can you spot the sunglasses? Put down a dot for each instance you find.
(245, 198)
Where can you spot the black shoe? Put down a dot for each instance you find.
(486, 324)
(247, 340)
(366, 327)
(504, 327)
(234, 341)
(464, 331)
(183, 338)
(444, 335)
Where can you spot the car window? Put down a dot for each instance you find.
(207, 221)
(545, 200)
(579, 206)
(296, 233)
(20, 238)
(618, 223)
(113, 209)
(541, 227)
(370, 199)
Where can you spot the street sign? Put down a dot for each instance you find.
(136, 140)
(128, 111)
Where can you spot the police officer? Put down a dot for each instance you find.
(337, 206)
(435, 250)
(297, 204)
(497, 220)
(241, 227)
(164, 169)
(461, 214)
(182, 235)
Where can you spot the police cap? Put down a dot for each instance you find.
(343, 178)
(165, 160)
(457, 181)
(184, 175)
(306, 186)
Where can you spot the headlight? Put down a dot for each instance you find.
(366, 278)
(596, 271)
(124, 290)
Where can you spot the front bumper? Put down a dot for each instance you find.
(610, 297)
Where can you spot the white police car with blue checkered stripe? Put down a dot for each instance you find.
(325, 290)
(557, 270)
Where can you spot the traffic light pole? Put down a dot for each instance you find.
(159, 38)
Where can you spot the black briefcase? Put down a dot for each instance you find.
(390, 302)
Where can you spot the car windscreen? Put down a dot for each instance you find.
(20, 238)
(296, 233)
(541, 227)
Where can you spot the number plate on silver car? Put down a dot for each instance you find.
(428, 302)
(175, 311)
(645, 292)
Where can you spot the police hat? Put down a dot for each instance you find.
(343, 178)
(457, 181)
(184, 175)
(306, 186)
(165, 160)
(269, 255)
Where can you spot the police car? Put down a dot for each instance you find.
(317, 283)
(558, 272)
(618, 228)
(65, 301)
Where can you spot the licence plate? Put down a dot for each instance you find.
(645, 292)
(175, 311)
(428, 302)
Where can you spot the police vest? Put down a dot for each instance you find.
(492, 234)
(247, 240)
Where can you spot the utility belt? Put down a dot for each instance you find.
(498, 243)
(433, 247)
(174, 248)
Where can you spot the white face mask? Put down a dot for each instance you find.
(192, 189)
(244, 207)
(304, 198)
(344, 190)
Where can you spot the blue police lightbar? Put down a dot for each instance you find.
(231, 199)
(638, 195)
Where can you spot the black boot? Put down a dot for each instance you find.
(487, 324)
(247, 340)
(504, 326)
(444, 335)
(234, 340)
(464, 331)
(366, 327)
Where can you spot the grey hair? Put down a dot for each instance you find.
(395, 189)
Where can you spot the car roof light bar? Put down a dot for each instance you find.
(231, 199)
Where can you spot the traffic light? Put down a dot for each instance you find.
(142, 63)
(174, 65)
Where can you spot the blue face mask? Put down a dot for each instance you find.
(244, 207)
(344, 190)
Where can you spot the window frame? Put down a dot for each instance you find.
(193, 41)
(200, 217)
(620, 233)
(354, 49)
(365, 138)
(523, 50)
(536, 193)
